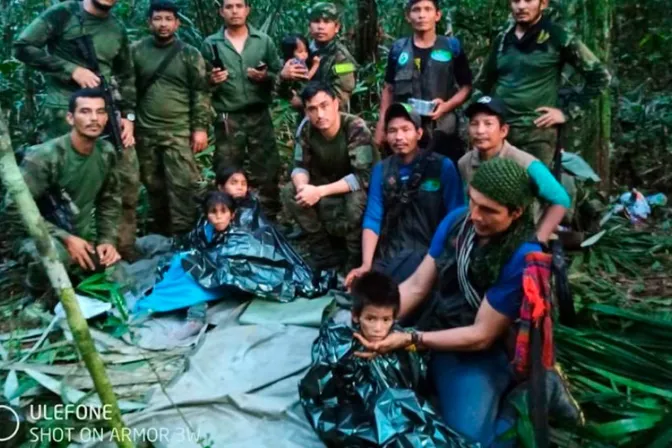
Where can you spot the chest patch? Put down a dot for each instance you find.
(441, 55)
(430, 185)
(403, 58)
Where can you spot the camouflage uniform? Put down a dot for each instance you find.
(338, 69)
(526, 75)
(174, 106)
(349, 156)
(92, 184)
(49, 45)
(244, 123)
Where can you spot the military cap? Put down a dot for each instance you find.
(323, 10)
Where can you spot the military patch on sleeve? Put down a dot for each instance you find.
(344, 68)
(441, 55)
(430, 185)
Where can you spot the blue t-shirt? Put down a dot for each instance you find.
(453, 195)
(506, 294)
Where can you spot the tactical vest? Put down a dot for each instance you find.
(413, 210)
(437, 80)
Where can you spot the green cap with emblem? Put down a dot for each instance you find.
(323, 10)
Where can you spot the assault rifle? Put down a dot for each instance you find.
(56, 206)
(113, 128)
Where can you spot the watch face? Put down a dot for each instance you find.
(130, 117)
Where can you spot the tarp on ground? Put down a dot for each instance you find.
(240, 389)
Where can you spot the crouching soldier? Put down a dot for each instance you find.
(77, 172)
(333, 159)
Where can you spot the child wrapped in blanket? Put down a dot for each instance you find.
(178, 289)
(279, 273)
(356, 402)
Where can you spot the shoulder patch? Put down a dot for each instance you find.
(344, 68)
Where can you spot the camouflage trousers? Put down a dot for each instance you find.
(247, 140)
(539, 142)
(334, 216)
(169, 172)
(129, 180)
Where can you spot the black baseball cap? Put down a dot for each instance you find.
(397, 110)
(488, 104)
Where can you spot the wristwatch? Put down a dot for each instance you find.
(130, 117)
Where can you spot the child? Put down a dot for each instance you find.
(232, 181)
(348, 399)
(294, 48)
(178, 288)
(277, 271)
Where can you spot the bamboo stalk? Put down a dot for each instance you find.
(30, 215)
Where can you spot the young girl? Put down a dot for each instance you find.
(178, 288)
(294, 48)
(281, 272)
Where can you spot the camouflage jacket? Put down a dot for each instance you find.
(350, 155)
(179, 100)
(49, 45)
(338, 69)
(526, 73)
(92, 183)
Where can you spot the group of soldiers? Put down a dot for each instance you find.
(170, 96)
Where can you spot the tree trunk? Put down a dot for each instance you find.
(367, 31)
(17, 188)
(597, 36)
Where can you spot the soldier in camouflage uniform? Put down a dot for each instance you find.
(337, 68)
(242, 95)
(49, 44)
(82, 171)
(524, 70)
(333, 159)
(173, 116)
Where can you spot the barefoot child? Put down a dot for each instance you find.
(342, 392)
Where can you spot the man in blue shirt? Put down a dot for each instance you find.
(488, 245)
(409, 194)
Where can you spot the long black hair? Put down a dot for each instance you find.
(288, 46)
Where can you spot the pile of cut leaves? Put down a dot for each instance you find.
(619, 357)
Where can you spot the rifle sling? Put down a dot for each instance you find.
(160, 69)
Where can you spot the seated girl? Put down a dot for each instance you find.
(179, 288)
(262, 259)
(351, 401)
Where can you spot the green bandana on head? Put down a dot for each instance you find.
(323, 10)
(505, 182)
